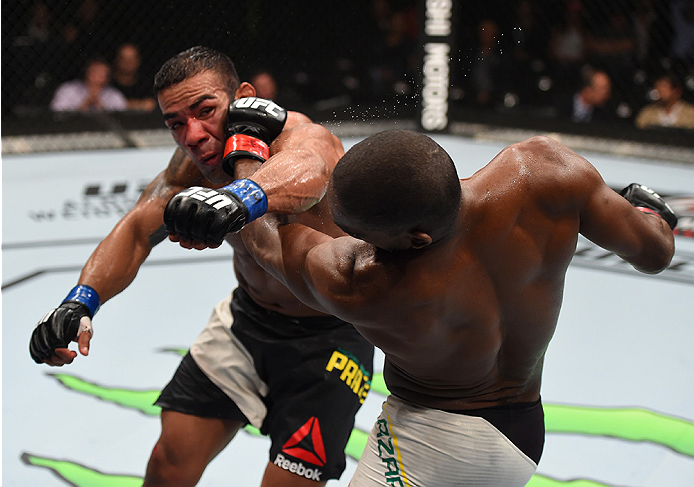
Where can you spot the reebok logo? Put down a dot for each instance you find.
(305, 444)
(297, 468)
(213, 198)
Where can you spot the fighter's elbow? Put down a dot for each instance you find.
(650, 269)
(656, 258)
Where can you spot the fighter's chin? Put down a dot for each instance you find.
(210, 160)
(211, 168)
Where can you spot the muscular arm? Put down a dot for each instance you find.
(293, 179)
(644, 240)
(110, 269)
(296, 175)
(568, 183)
(115, 262)
(610, 221)
(316, 267)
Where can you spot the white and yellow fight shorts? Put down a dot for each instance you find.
(414, 446)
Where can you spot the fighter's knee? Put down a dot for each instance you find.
(164, 470)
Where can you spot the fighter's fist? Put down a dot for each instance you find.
(252, 124)
(64, 324)
(646, 199)
(207, 215)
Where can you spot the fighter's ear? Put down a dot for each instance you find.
(419, 239)
(244, 90)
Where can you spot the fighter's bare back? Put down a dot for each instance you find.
(486, 298)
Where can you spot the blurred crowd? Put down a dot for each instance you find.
(623, 60)
(57, 59)
(630, 61)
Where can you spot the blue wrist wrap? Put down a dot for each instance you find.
(250, 195)
(85, 295)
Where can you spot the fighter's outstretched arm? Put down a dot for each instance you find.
(115, 262)
(111, 268)
(630, 226)
(564, 181)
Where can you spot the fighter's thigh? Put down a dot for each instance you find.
(193, 441)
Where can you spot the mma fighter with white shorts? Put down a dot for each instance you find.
(459, 282)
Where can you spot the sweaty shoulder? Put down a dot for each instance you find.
(539, 153)
(556, 175)
(300, 133)
(296, 118)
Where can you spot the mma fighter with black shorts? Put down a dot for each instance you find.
(264, 358)
(459, 282)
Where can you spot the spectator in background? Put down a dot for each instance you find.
(79, 30)
(265, 85)
(92, 93)
(529, 33)
(669, 110)
(128, 80)
(590, 102)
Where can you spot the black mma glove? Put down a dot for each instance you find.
(208, 215)
(252, 124)
(62, 325)
(645, 199)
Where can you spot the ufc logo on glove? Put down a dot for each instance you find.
(257, 103)
(207, 215)
(213, 198)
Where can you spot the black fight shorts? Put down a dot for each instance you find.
(299, 380)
